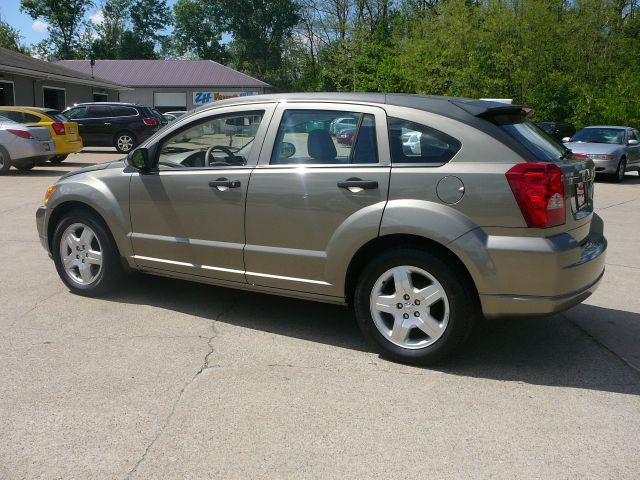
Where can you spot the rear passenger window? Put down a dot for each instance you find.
(28, 118)
(100, 111)
(325, 137)
(124, 111)
(412, 143)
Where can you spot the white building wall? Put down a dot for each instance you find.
(145, 96)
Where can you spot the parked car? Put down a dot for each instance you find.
(64, 133)
(346, 137)
(106, 124)
(339, 124)
(557, 130)
(614, 150)
(176, 113)
(23, 147)
(420, 250)
(162, 121)
(169, 117)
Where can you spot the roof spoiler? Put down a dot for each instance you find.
(485, 109)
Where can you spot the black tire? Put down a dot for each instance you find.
(25, 166)
(58, 158)
(463, 305)
(111, 273)
(119, 141)
(622, 167)
(5, 161)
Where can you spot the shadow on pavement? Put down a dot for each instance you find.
(549, 351)
(630, 178)
(107, 152)
(36, 172)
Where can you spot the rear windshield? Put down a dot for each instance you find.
(533, 138)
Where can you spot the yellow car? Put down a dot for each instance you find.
(64, 133)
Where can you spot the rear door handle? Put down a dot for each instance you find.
(357, 185)
(223, 184)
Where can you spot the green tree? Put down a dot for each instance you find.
(260, 29)
(66, 23)
(10, 38)
(115, 16)
(199, 26)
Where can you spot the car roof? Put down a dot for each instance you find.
(607, 126)
(126, 104)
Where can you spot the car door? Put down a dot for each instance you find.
(87, 126)
(633, 151)
(312, 200)
(187, 213)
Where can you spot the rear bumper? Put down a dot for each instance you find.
(518, 276)
(68, 147)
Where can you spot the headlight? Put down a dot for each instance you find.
(600, 156)
(48, 194)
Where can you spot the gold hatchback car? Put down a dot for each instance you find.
(64, 133)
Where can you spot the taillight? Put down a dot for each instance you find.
(539, 191)
(58, 127)
(150, 121)
(20, 133)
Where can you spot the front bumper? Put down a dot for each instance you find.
(606, 166)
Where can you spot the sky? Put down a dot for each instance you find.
(33, 31)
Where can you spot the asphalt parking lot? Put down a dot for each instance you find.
(169, 379)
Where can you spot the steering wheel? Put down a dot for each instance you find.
(222, 148)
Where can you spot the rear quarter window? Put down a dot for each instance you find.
(124, 112)
(413, 143)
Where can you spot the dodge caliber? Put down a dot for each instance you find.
(484, 216)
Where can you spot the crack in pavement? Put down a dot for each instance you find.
(205, 366)
(618, 204)
(602, 345)
(36, 305)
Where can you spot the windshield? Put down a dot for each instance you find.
(600, 135)
(533, 138)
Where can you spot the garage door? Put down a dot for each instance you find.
(168, 101)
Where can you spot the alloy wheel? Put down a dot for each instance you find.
(125, 143)
(81, 254)
(409, 307)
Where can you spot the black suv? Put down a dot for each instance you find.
(106, 124)
(558, 130)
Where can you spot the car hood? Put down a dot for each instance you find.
(598, 148)
(98, 166)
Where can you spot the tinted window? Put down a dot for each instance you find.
(100, 111)
(600, 135)
(534, 139)
(123, 111)
(325, 137)
(29, 118)
(222, 141)
(412, 142)
(13, 116)
(78, 112)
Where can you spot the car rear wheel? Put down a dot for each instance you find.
(414, 307)
(58, 158)
(5, 161)
(125, 142)
(622, 167)
(25, 166)
(85, 254)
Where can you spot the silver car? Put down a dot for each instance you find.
(488, 217)
(614, 150)
(23, 147)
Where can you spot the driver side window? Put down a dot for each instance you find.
(221, 141)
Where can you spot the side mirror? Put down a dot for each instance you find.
(565, 139)
(139, 158)
(286, 150)
(632, 142)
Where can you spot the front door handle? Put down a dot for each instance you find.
(223, 184)
(357, 185)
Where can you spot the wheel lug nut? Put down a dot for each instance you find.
(77, 256)
(83, 260)
(417, 302)
(406, 297)
(416, 314)
(405, 316)
(399, 305)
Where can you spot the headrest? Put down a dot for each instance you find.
(321, 147)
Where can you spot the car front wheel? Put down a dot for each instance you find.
(622, 167)
(85, 254)
(414, 307)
